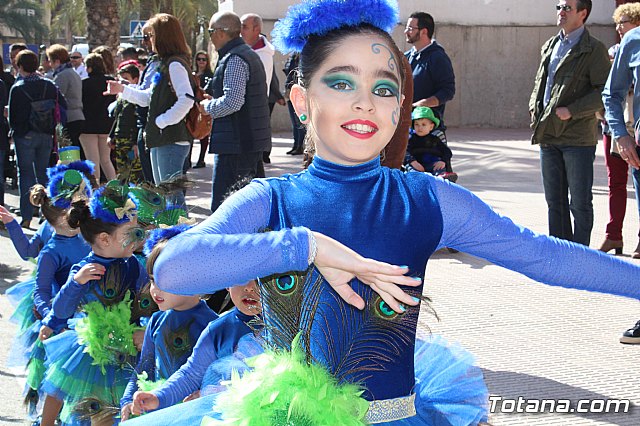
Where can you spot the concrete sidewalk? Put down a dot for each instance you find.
(531, 340)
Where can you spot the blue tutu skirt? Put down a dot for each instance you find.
(21, 298)
(71, 375)
(450, 391)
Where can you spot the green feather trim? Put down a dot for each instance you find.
(284, 390)
(107, 333)
(146, 385)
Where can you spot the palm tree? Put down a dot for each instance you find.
(103, 23)
(68, 18)
(23, 17)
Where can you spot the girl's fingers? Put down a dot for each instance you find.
(348, 295)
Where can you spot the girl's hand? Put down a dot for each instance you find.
(338, 264)
(439, 165)
(144, 402)
(45, 332)
(5, 216)
(125, 413)
(89, 272)
(194, 395)
(138, 339)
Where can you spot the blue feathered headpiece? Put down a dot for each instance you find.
(113, 204)
(158, 234)
(68, 182)
(318, 17)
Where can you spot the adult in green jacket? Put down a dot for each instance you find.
(563, 106)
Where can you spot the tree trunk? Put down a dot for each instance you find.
(166, 6)
(103, 23)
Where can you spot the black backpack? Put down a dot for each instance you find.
(42, 118)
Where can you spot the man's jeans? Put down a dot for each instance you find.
(166, 163)
(229, 170)
(568, 170)
(32, 156)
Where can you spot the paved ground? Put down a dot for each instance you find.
(532, 341)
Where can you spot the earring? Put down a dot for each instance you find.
(303, 117)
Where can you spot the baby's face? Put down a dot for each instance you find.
(246, 298)
(423, 126)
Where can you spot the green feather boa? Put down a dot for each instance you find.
(107, 333)
(284, 390)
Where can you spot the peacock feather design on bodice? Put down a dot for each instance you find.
(112, 287)
(143, 304)
(346, 340)
(176, 347)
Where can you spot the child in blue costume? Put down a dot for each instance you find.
(62, 250)
(217, 341)
(350, 219)
(172, 333)
(92, 359)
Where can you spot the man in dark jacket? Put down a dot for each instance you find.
(434, 82)
(566, 96)
(32, 118)
(239, 107)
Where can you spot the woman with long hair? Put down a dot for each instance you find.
(97, 123)
(168, 100)
(204, 73)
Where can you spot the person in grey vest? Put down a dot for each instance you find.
(237, 102)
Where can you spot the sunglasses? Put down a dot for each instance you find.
(564, 7)
(201, 59)
(75, 57)
(410, 29)
(147, 37)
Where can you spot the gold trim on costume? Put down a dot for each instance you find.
(387, 410)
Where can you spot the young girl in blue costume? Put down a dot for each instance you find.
(65, 248)
(344, 223)
(218, 341)
(92, 360)
(172, 333)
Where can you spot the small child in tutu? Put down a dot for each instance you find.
(65, 248)
(171, 333)
(91, 360)
(217, 341)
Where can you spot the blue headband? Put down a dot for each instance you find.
(113, 204)
(318, 17)
(67, 181)
(158, 234)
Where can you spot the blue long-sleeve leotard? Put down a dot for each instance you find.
(54, 263)
(165, 348)
(29, 248)
(120, 276)
(382, 214)
(217, 341)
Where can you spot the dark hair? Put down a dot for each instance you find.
(28, 60)
(168, 37)
(130, 69)
(58, 52)
(319, 48)
(153, 255)
(39, 198)
(107, 59)
(129, 53)
(95, 62)
(425, 21)
(17, 46)
(584, 4)
(79, 216)
(195, 63)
